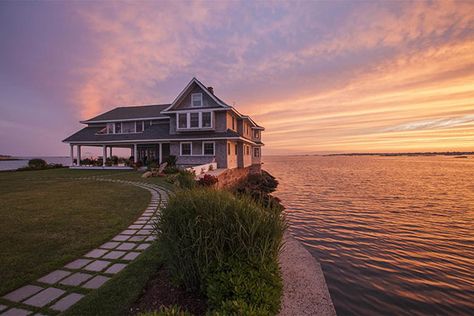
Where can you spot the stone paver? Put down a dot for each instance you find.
(114, 255)
(76, 279)
(54, 276)
(44, 297)
(143, 246)
(140, 222)
(144, 232)
(67, 302)
(115, 268)
(96, 282)
(131, 255)
(16, 312)
(77, 264)
(121, 238)
(129, 232)
(135, 226)
(97, 265)
(96, 253)
(22, 293)
(126, 246)
(151, 238)
(110, 245)
(137, 238)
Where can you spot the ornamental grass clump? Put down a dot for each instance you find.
(225, 247)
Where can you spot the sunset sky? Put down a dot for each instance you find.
(334, 76)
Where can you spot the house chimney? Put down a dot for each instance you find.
(211, 90)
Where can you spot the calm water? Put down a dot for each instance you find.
(394, 235)
(23, 161)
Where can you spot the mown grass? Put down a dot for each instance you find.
(47, 218)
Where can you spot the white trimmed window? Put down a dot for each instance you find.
(196, 100)
(128, 127)
(256, 134)
(118, 128)
(183, 120)
(208, 148)
(206, 119)
(194, 120)
(139, 126)
(247, 150)
(256, 152)
(110, 128)
(185, 149)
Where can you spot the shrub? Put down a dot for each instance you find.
(224, 246)
(171, 160)
(167, 311)
(37, 164)
(207, 180)
(185, 179)
(170, 170)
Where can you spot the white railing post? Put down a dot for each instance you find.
(72, 155)
(135, 153)
(104, 155)
(79, 155)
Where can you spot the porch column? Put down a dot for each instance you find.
(135, 153)
(161, 154)
(78, 155)
(104, 155)
(72, 155)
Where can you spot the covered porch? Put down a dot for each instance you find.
(143, 153)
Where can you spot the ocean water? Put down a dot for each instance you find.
(394, 235)
(23, 161)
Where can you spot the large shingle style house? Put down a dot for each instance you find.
(198, 128)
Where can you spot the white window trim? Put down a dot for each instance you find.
(181, 148)
(213, 148)
(188, 121)
(200, 98)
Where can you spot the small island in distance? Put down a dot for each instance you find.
(457, 154)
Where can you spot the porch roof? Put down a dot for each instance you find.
(156, 132)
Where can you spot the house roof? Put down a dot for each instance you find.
(155, 132)
(203, 87)
(131, 113)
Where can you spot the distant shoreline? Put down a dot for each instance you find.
(450, 153)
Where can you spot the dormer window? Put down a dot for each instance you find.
(196, 100)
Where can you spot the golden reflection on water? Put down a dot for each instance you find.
(395, 235)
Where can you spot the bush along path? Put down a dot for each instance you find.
(60, 289)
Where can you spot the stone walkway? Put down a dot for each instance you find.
(60, 289)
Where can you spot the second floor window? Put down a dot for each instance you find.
(139, 126)
(206, 119)
(118, 128)
(196, 99)
(183, 120)
(194, 120)
(110, 128)
(128, 127)
(256, 134)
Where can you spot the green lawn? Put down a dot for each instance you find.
(48, 219)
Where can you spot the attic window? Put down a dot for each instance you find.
(196, 100)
